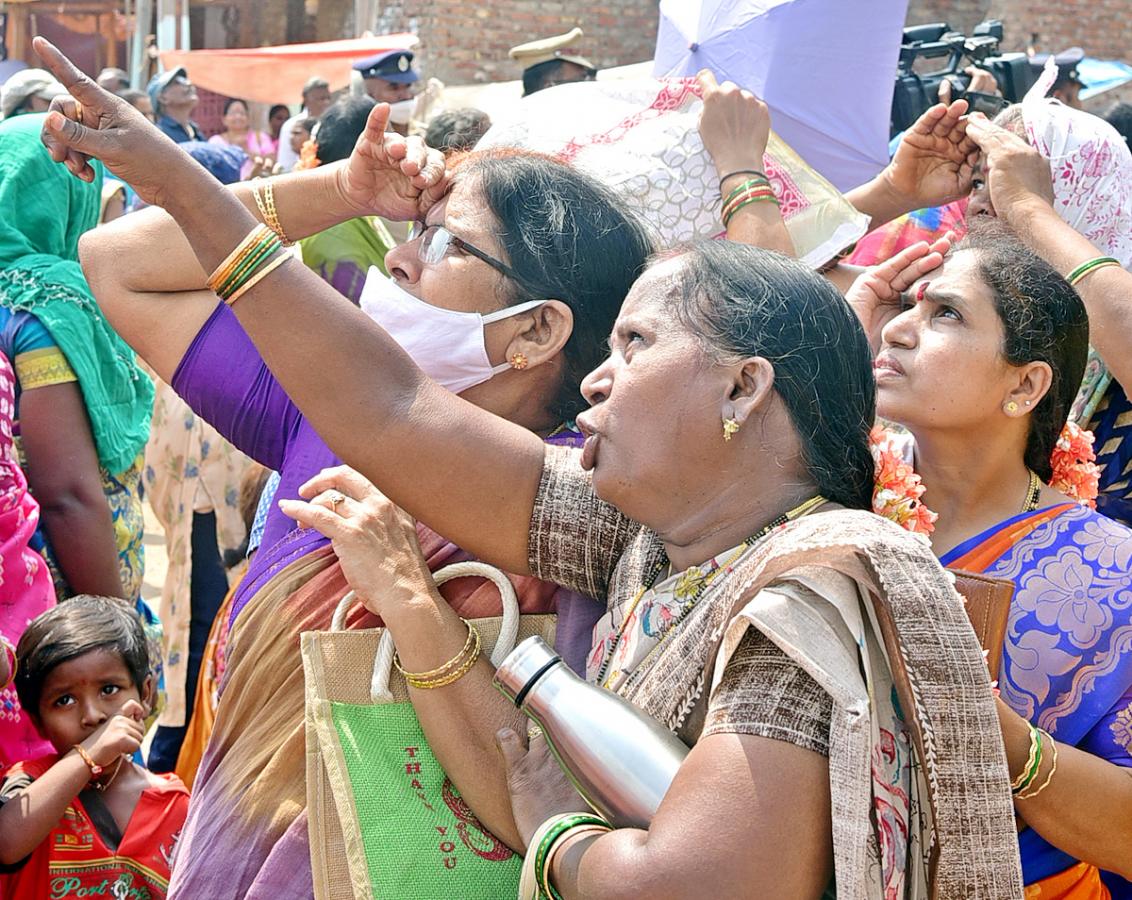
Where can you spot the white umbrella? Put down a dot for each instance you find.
(826, 69)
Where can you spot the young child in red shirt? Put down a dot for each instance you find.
(86, 821)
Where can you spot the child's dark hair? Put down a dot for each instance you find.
(74, 628)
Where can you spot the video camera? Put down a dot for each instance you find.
(917, 91)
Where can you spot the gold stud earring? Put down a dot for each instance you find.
(1011, 406)
(730, 426)
(518, 361)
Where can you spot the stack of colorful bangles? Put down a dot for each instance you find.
(1023, 786)
(754, 190)
(256, 257)
(547, 841)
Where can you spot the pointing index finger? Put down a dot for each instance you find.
(62, 68)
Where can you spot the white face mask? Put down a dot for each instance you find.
(401, 112)
(448, 345)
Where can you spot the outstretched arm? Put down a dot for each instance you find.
(157, 299)
(383, 417)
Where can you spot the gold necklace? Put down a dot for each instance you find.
(788, 516)
(1033, 493)
(103, 785)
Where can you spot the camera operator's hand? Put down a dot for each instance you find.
(982, 82)
(1016, 174)
(935, 159)
(735, 125)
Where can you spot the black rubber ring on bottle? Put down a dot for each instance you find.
(522, 695)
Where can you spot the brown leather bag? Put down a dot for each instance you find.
(988, 608)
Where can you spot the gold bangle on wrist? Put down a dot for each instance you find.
(452, 678)
(439, 670)
(259, 204)
(1029, 770)
(272, 218)
(452, 671)
(265, 203)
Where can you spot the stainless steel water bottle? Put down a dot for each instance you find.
(621, 760)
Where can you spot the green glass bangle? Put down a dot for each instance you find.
(266, 240)
(254, 249)
(548, 841)
(746, 186)
(260, 253)
(1032, 772)
(730, 214)
(263, 248)
(1088, 266)
(246, 265)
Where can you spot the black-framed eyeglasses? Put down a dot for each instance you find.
(436, 239)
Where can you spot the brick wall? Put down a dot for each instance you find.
(466, 42)
(1102, 27)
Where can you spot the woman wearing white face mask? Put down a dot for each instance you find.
(542, 253)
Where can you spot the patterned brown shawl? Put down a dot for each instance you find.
(579, 541)
(937, 666)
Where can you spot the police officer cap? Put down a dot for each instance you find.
(392, 65)
(1066, 62)
(535, 53)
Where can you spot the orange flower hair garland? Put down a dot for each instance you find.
(897, 492)
(898, 489)
(308, 156)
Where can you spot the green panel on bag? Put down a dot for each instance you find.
(421, 840)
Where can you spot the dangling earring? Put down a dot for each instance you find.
(1011, 406)
(730, 426)
(518, 361)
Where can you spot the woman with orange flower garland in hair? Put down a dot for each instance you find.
(980, 359)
